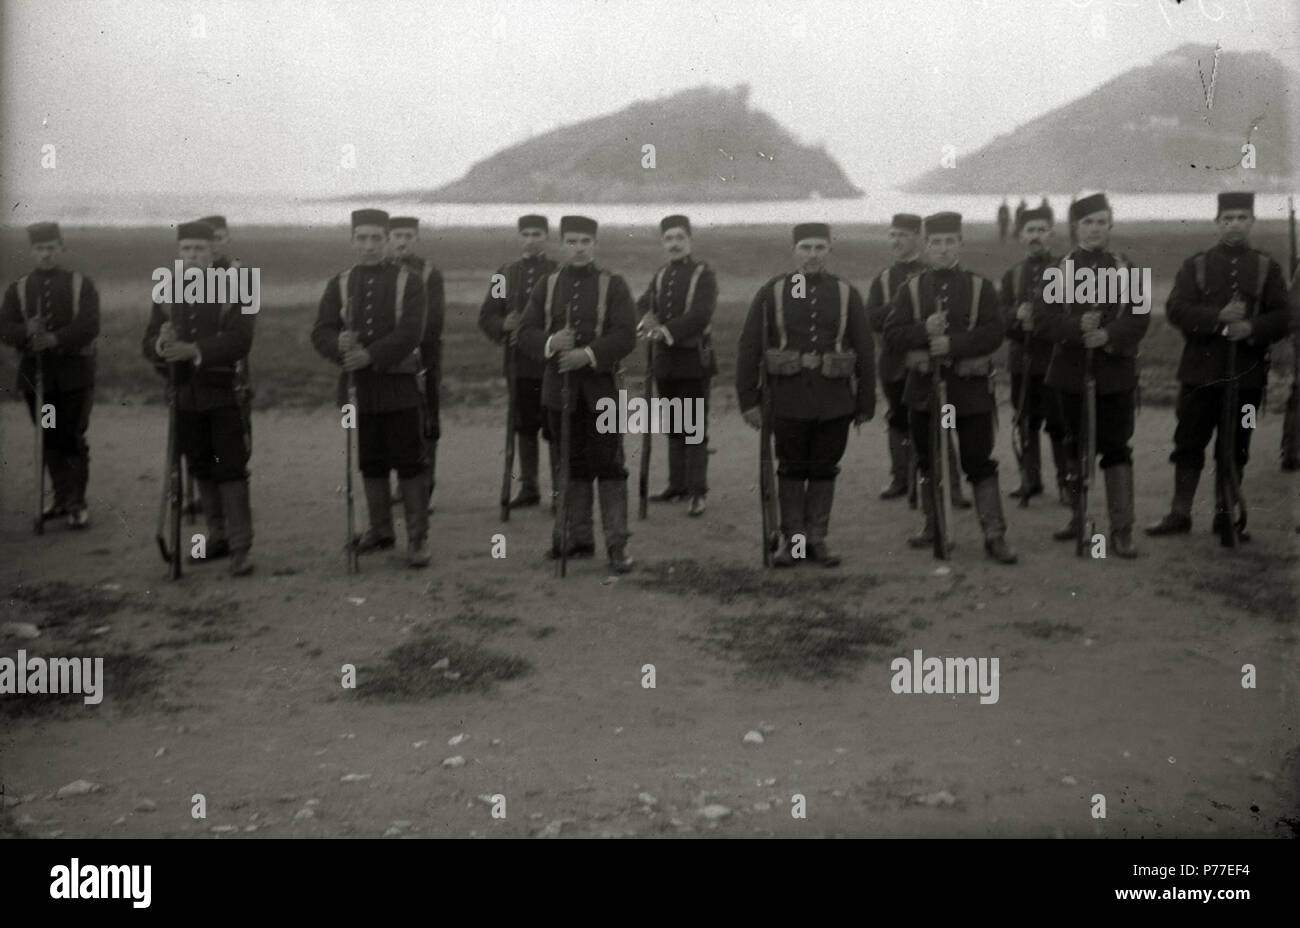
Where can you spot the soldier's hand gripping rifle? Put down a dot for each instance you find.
(1087, 441)
(349, 438)
(939, 476)
(1227, 472)
(508, 475)
(35, 326)
(771, 515)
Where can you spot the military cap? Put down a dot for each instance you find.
(943, 224)
(812, 230)
(1029, 215)
(195, 230)
(908, 222)
(674, 222)
(534, 221)
(580, 224)
(369, 217)
(1236, 199)
(1088, 205)
(39, 232)
(403, 222)
(217, 222)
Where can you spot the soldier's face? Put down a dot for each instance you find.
(943, 249)
(579, 248)
(195, 252)
(1094, 229)
(532, 242)
(902, 243)
(46, 254)
(677, 244)
(1235, 225)
(1036, 236)
(220, 242)
(401, 242)
(368, 242)
(810, 254)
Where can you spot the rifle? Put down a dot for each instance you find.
(191, 497)
(566, 448)
(38, 522)
(1228, 475)
(939, 476)
(349, 438)
(1087, 454)
(169, 516)
(771, 514)
(1295, 260)
(643, 478)
(508, 474)
(1020, 424)
(912, 500)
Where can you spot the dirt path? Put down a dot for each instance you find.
(1118, 678)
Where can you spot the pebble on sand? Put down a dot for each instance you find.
(304, 814)
(442, 663)
(941, 798)
(354, 777)
(714, 812)
(145, 805)
(20, 630)
(77, 788)
(753, 736)
(455, 740)
(456, 761)
(1069, 781)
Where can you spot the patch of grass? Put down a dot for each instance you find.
(541, 631)
(129, 684)
(487, 624)
(205, 614)
(1255, 581)
(813, 641)
(8, 827)
(206, 636)
(63, 603)
(407, 673)
(1048, 631)
(727, 582)
(483, 592)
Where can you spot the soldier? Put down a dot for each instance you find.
(1004, 220)
(370, 323)
(403, 233)
(52, 316)
(949, 316)
(580, 321)
(204, 341)
(1229, 294)
(499, 319)
(819, 360)
(1113, 330)
(676, 311)
(1019, 290)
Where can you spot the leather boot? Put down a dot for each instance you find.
(1068, 491)
(1221, 516)
(677, 464)
(988, 505)
(415, 501)
(613, 521)
(1119, 503)
(239, 525)
(696, 458)
(898, 464)
(817, 517)
(1061, 464)
(57, 466)
(380, 535)
(431, 475)
(1179, 519)
(582, 542)
(954, 476)
(791, 494)
(1031, 470)
(214, 511)
(78, 476)
(926, 497)
(529, 492)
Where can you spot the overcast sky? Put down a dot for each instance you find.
(260, 96)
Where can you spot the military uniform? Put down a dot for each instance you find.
(67, 306)
(209, 421)
(387, 307)
(597, 306)
(1114, 370)
(1022, 284)
(1206, 282)
(520, 278)
(820, 368)
(681, 298)
(974, 328)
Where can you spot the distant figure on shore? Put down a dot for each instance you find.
(1004, 220)
(1020, 212)
(1051, 217)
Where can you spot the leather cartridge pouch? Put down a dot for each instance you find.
(782, 362)
(973, 367)
(839, 364)
(917, 360)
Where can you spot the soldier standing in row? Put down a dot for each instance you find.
(370, 323)
(676, 311)
(403, 233)
(1229, 294)
(499, 317)
(819, 359)
(1021, 285)
(1113, 330)
(949, 316)
(52, 316)
(204, 341)
(580, 321)
(1004, 220)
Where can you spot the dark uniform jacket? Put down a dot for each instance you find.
(954, 290)
(1115, 363)
(891, 363)
(1021, 284)
(1195, 310)
(687, 354)
(520, 276)
(435, 318)
(811, 325)
(576, 294)
(391, 337)
(224, 337)
(71, 364)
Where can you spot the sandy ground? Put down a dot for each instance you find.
(1117, 678)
